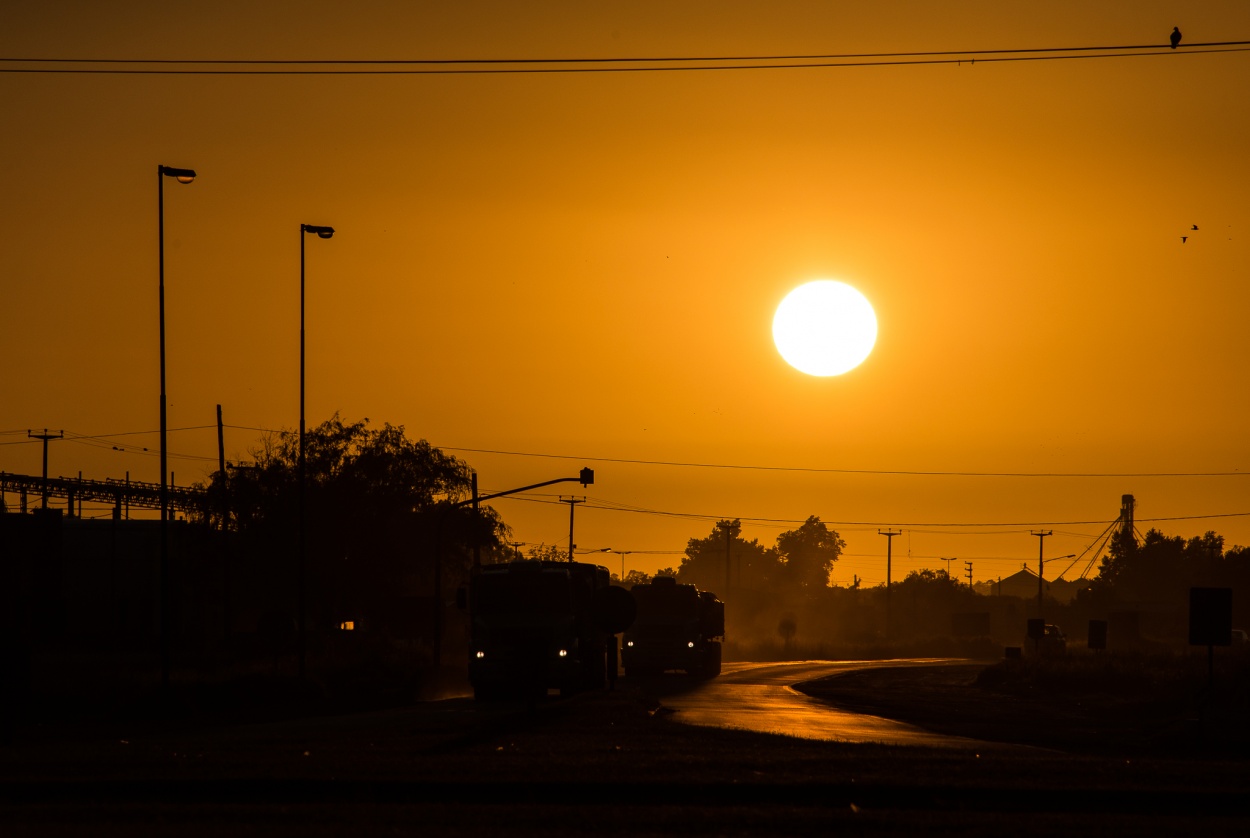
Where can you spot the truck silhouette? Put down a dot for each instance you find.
(677, 627)
(540, 625)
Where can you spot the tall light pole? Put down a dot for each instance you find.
(324, 233)
(182, 176)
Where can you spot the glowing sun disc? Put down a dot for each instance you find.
(824, 328)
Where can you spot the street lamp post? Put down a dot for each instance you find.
(182, 176)
(623, 553)
(324, 233)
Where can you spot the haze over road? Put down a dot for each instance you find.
(761, 697)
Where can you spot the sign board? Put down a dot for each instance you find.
(1097, 634)
(1037, 629)
(1210, 616)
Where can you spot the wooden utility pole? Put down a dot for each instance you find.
(1041, 563)
(45, 436)
(572, 502)
(889, 543)
(225, 527)
(477, 547)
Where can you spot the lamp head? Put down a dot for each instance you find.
(322, 232)
(180, 175)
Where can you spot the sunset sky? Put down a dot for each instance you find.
(539, 271)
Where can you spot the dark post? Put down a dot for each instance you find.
(889, 553)
(477, 547)
(324, 233)
(45, 436)
(299, 560)
(182, 176)
(572, 502)
(225, 518)
(1041, 540)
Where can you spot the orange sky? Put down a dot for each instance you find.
(587, 264)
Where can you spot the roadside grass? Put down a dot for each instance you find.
(1122, 703)
(1147, 675)
(975, 648)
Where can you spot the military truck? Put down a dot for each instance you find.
(540, 625)
(677, 627)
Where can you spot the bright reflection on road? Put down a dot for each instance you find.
(759, 697)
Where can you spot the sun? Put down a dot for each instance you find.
(824, 328)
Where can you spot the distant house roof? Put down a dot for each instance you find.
(1023, 584)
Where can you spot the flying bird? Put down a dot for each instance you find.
(1176, 36)
(1183, 239)
(1195, 227)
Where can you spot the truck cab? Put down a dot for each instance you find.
(539, 625)
(677, 627)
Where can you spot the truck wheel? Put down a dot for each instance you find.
(713, 664)
(709, 663)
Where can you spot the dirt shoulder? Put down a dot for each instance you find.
(951, 699)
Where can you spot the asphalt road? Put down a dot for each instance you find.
(596, 765)
(761, 697)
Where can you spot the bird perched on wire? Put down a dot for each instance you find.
(1176, 36)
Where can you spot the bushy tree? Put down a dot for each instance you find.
(1160, 569)
(808, 553)
(547, 553)
(379, 513)
(751, 565)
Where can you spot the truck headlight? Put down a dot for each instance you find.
(629, 643)
(480, 655)
(564, 653)
(691, 644)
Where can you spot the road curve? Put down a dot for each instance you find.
(760, 697)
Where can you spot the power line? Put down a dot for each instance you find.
(609, 506)
(490, 66)
(813, 470)
(807, 469)
(623, 59)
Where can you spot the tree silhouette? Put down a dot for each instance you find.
(808, 554)
(751, 564)
(379, 514)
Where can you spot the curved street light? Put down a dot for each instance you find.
(323, 233)
(182, 176)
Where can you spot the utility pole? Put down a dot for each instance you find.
(45, 436)
(1041, 563)
(948, 566)
(477, 548)
(728, 542)
(572, 502)
(889, 555)
(225, 519)
(968, 566)
(623, 553)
